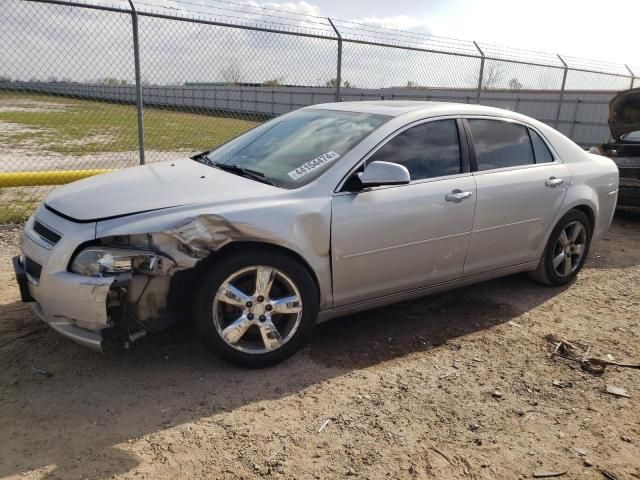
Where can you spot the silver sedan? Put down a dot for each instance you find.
(325, 211)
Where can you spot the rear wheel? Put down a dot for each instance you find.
(566, 250)
(256, 309)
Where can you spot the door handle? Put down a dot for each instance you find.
(457, 196)
(554, 182)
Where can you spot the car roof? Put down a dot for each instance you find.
(396, 108)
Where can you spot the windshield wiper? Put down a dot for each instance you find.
(202, 158)
(247, 172)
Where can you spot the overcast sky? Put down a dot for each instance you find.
(585, 28)
(43, 41)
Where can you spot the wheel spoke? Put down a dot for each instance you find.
(575, 233)
(558, 259)
(234, 332)
(270, 335)
(564, 240)
(567, 264)
(290, 304)
(578, 249)
(252, 330)
(232, 295)
(264, 280)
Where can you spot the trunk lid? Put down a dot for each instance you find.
(624, 113)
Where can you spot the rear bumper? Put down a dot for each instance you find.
(628, 196)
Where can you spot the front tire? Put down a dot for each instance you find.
(256, 308)
(566, 250)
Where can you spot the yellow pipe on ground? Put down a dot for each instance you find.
(48, 177)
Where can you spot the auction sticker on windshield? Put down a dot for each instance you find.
(314, 164)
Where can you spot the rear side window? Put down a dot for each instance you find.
(500, 144)
(543, 155)
(428, 150)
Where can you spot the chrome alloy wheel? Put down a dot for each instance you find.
(569, 249)
(262, 320)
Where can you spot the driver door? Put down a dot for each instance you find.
(391, 239)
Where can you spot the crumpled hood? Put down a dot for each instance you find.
(151, 187)
(624, 113)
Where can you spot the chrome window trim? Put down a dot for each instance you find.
(413, 183)
(509, 169)
(391, 136)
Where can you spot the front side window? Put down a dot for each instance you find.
(292, 150)
(428, 150)
(500, 144)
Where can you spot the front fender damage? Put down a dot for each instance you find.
(150, 299)
(196, 239)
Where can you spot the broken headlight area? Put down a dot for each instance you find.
(108, 262)
(138, 297)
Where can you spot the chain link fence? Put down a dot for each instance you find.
(90, 86)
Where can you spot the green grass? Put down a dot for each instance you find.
(16, 213)
(16, 204)
(82, 127)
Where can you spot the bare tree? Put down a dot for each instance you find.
(514, 84)
(492, 76)
(232, 73)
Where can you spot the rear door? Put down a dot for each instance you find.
(521, 186)
(391, 239)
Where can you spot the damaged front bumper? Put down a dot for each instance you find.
(73, 305)
(96, 309)
(142, 282)
(80, 307)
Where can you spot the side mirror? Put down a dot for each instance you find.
(384, 173)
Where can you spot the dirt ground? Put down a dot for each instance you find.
(457, 385)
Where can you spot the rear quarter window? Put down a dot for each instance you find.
(540, 149)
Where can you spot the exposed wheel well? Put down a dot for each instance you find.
(183, 284)
(589, 213)
(256, 245)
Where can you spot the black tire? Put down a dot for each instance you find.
(214, 276)
(545, 272)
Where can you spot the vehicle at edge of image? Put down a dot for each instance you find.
(624, 149)
(325, 211)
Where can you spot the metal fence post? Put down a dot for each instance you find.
(564, 83)
(136, 59)
(575, 118)
(482, 57)
(633, 76)
(339, 67)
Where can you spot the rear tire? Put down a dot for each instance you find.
(256, 308)
(566, 250)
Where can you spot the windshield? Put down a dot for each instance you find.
(292, 150)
